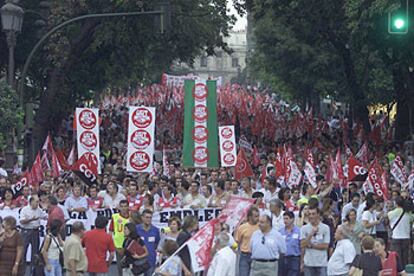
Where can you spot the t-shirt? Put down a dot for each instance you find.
(244, 234)
(97, 243)
(315, 257)
(369, 263)
(173, 267)
(151, 239)
(370, 217)
(402, 229)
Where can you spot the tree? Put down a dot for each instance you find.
(84, 58)
(340, 48)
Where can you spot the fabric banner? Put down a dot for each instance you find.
(227, 138)
(87, 130)
(398, 171)
(141, 130)
(200, 147)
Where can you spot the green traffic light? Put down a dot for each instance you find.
(399, 23)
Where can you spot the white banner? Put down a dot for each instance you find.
(87, 129)
(141, 130)
(228, 154)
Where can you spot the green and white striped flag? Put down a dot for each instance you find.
(200, 124)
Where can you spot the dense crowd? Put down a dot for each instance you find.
(333, 228)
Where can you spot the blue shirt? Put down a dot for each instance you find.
(267, 246)
(151, 239)
(292, 240)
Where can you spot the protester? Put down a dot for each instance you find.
(170, 233)
(151, 237)
(54, 212)
(353, 230)
(76, 202)
(135, 253)
(76, 262)
(290, 263)
(52, 248)
(98, 244)
(30, 217)
(343, 255)
(116, 227)
(391, 261)
(193, 199)
(190, 225)
(368, 262)
(11, 253)
(266, 245)
(243, 238)
(400, 222)
(276, 213)
(315, 240)
(224, 261)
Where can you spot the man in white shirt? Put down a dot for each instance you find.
(111, 196)
(224, 261)
(400, 238)
(270, 192)
(354, 204)
(193, 199)
(30, 217)
(76, 202)
(276, 213)
(342, 257)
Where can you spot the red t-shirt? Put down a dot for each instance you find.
(134, 203)
(167, 203)
(97, 202)
(55, 213)
(21, 201)
(97, 243)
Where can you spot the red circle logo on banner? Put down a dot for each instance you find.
(87, 119)
(229, 158)
(142, 117)
(200, 155)
(228, 146)
(139, 160)
(91, 157)
(226, 133)
(200, 113)
(88, 140)
(241, 166)
(200, 134)
(200, 92)
(140, 139)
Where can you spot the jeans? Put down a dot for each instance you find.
(315, 271)
(118, 257)
(245, 263)
(289, 266)
(56, 268)
(30, 237)
(150, 271)
(403, 248)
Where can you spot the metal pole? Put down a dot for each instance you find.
(11, 42)
(52, 31)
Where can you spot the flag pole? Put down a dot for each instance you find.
(173, 255)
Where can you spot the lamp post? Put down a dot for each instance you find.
(11, 21)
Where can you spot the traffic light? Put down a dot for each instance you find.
(398, 19)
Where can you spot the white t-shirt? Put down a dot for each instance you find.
(370, 217)
(341, 258)
(402, 230)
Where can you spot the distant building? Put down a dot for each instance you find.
(222, 64)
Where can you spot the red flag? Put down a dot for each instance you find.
(398, 171)
(310, 170)
(87, 168)
(37, 171)
(21, 183)
(56, 168)
(375, 180)
(256, 157)
(72, 156)
(279, 165)
(243, 168)
(62, 160)
(45, 162)
(356, 172)
(362, 154)
(47, 145)
(293, 176)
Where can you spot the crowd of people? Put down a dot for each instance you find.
(330, 229)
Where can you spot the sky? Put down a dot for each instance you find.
(241, 21)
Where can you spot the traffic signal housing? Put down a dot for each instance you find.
(398, 19)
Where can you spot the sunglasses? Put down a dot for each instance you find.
(263, 240)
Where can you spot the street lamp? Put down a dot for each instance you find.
(11, 21)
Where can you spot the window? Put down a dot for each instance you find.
(203, 62)
(234, 62)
